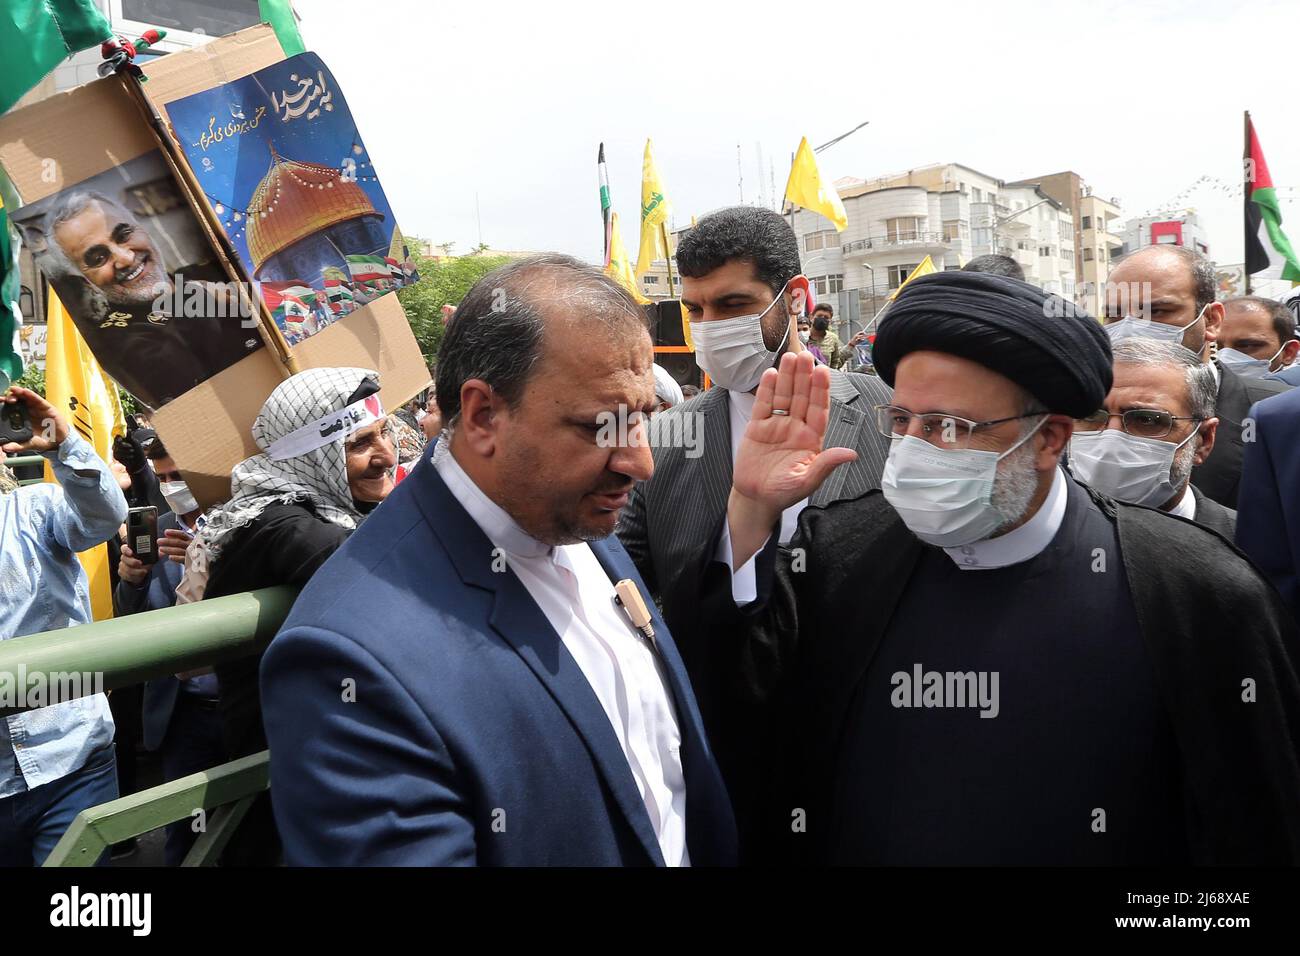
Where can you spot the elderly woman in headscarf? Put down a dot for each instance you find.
(327, 460)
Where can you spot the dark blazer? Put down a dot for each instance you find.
(157, 591)
(421, 710)
(1219, 475)
(671, 528)
(1213, 515)
(1268, 521)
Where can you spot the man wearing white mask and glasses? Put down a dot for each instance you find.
(743, 292)
(1039, 674)
(1156, 425)
(1167, 293)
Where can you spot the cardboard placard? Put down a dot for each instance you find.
(74, 136)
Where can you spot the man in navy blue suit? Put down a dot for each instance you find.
(1268, 511)
(457, 684)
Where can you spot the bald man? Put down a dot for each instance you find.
(1167, 293)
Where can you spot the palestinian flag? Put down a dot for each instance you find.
(338, 292)
(1267, 247)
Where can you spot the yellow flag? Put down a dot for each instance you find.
(924, 269)
(805, 188)
(620, 267)
(654, 215)
(77, 387)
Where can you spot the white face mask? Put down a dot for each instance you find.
(1130, 327)
(733, 352)
(178, 496)
(1243, 364)
(1135, 470)
(944, 495)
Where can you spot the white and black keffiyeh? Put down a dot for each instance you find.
(318, 476)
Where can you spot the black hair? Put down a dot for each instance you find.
(744, 233)
(997, 265)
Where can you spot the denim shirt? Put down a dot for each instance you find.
(43, 588)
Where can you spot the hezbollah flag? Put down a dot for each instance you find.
(75, 385)
(619, 268)
(654, 215)
(1267, 247)
(924, 269)
(805, 188)
(38, 35)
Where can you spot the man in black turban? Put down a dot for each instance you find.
(986, 662)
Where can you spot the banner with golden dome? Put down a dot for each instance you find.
(279, 158)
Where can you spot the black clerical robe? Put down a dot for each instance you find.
(1161, 691)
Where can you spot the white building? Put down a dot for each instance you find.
(1180, 229)
(951, 213)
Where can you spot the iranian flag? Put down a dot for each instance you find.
(1268, 250)
(368, 268)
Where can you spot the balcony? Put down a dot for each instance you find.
(925, 242)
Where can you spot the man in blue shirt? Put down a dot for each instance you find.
(57, 760)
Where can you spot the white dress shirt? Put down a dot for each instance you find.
(577, 597)
(1186, 506)
(744, 586)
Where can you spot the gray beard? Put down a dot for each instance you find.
(1014, 487)
(1181, 472)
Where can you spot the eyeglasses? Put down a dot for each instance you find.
(894, 421)
(1139, 422)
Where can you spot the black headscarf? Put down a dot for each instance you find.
(1045, 344)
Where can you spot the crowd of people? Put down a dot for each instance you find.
(998, 582)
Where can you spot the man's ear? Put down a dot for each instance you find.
(1209, 430)
(1289, 353)
(477, 424)
(1213, 321)
(1056, 432)
(797, 295)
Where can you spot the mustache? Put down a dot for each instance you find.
(141, 259)
(617, 487)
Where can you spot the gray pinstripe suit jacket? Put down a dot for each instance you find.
(671, 525)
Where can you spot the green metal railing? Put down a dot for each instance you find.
(127, 651)
(19, 461)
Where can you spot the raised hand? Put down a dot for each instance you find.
(781, 460)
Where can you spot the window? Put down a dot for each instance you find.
(898, 274)
(976, 195)
(1087, 255)
(819, 284)
(651, 280)
(1087, 222)
(1044, 251)
(954, 229)
(903, 229)
(835, 282)
(830, 239)
(983, 237)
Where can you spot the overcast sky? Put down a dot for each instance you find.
(508, 102)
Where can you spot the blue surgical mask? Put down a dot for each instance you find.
(1244, 365)
(1131, 327)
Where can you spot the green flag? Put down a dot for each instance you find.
(279, 13)
(37, 35)
(11, 359)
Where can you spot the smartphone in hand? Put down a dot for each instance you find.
(15, 423)
(142, 533)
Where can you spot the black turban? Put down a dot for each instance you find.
(1043, 343)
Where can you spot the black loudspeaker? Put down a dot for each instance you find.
(666, 317)
(681, 366)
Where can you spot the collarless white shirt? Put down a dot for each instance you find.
(1186, 506)
(1021, 544)
(576, 596)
